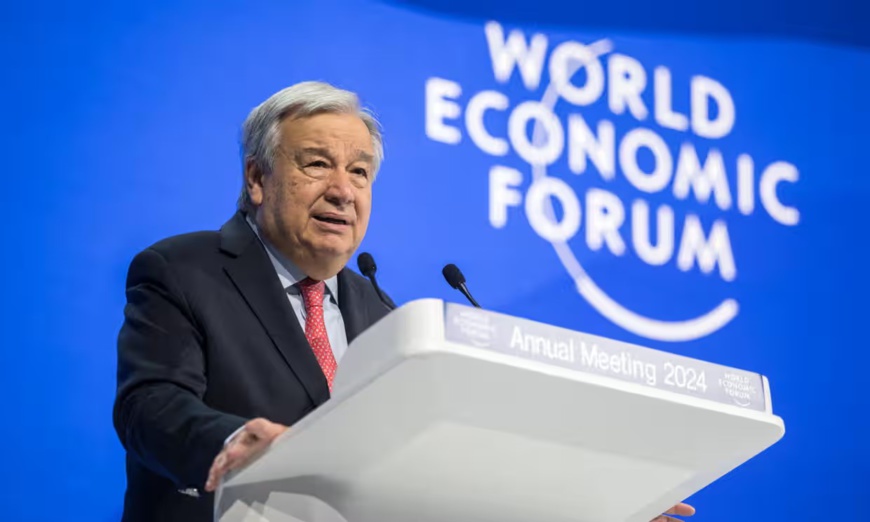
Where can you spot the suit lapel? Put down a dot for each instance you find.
(353, 311)
(251, 271)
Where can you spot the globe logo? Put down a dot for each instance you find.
(541, 131)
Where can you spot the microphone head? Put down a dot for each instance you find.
(366, 264)
(453, 275)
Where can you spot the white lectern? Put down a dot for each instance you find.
(446, 413)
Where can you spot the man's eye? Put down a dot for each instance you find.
(362, 172)
(320, 164)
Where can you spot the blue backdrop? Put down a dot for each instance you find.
(121, 125)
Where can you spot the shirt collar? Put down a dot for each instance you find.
(288, 272)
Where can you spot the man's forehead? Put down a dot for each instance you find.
(332, 133)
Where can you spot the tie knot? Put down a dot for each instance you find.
(312, 292)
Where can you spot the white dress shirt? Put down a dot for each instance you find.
(290, 275)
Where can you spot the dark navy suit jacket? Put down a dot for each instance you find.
(210, 341)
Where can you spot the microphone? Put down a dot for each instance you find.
(455, 279)
(367, 267)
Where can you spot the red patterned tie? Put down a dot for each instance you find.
(315, 327)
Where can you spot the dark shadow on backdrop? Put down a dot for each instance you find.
(832, 21)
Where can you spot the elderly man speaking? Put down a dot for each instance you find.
(230, 337)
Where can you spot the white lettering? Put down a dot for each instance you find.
(660, 176)
(620, 364)
(745, 184)
(708, 251)
(664, 112)
(566, 59)
(538, 204)
(703, 90)
(439, 107)
(505, 55)
(703, 180)
(627, 81)
(772, 176)
(477, 106)
(503, 193)
(640, 233)
(517, 340)
(604, 215)
(536, 153)
(582, 143)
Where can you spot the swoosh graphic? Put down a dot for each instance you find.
(659, 330)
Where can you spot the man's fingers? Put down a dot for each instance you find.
(236, 452)
(246, 438)
(216, 471)
(229, 458)
(254, 438)
(239, 452)
(264, 429)
(681, 509)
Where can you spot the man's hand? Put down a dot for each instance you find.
(256, 435)
(683, 510)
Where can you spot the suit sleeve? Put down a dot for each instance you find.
(159, 412)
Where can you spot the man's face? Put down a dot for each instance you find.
(315, 205)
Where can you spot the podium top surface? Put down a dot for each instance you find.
(446, 412)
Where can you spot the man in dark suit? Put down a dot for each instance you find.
(231, 336)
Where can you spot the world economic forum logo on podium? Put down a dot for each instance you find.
(613, 82)
(475, 327)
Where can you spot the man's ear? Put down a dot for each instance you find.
(254, 182)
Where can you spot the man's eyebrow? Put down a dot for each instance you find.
(319, 151)
(365, 156)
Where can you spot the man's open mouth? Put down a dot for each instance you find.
(332, 219)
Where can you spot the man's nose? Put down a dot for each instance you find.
(340, 189)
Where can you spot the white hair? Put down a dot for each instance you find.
(262, 128)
